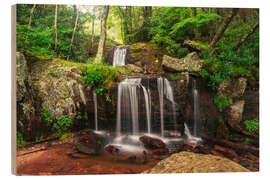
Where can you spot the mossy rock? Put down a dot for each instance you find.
(147, 56)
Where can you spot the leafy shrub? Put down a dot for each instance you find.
(252, 125)
(19, 140)
(62, 124)
(46, 115)
(101, 77)
(222, 101)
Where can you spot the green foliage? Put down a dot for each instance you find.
(101, 77)
(46, 115)
(65, 136)
(20, 142)
(181, 52)
(222, 101)
(64, 95)
(252, 125)
(62, 125)
(53, 74)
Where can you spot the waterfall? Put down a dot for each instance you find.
(127, 96)
(119, 55)
(169, 95)
(196, 110)
(190, 138)
(160, 92)
(95, 105)
(147, 97)
(164, 88)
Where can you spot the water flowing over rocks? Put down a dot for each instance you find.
(188, 162)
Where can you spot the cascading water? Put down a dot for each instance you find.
(160, 92)
(147, 97)
(164, 88)
(127, 90)
(119, 55)
(128, 98)
(196, 110)
(95, 106)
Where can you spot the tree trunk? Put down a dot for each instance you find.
(29, 23)
(244, 38)
(55, 29)
(93, 32)
(222, 28)
(31, 14)
(73, 33)
(102, 40)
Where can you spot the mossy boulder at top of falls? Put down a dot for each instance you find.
(190, 63)
(189, 162)
(146, 55)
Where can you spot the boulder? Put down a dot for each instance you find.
(53, 86)
(190, 63)
(188, 162)
(235, 114)
(133, 68)
(89, 142)
(233, 88)
(152, 143)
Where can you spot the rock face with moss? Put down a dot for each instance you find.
(190, 63)
(46, 91)
(188, 162)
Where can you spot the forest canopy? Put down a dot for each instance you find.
(228, 39)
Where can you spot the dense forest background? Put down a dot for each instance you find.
(227, 39)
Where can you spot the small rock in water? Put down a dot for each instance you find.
(127, 153)
(152, 143)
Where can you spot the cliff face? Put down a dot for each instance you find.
(48, 89)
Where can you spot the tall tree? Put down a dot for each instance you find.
(102, 40)
(93, 28)
(29, 23)
(31, 14)
(55, 28)
(222, 28)
(74, 30)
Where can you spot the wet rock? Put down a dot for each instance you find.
(190, 63)
(89, 142)
(127, 153)
(188, 162)
(161, 151)
(152, 143)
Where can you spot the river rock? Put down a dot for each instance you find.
(152, 143)
(190, 63)
(89, 142)
(127, 152)
(188, 162)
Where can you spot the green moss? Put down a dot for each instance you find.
(137, 54)
(136, 46)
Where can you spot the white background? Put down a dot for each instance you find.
(5, 85)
